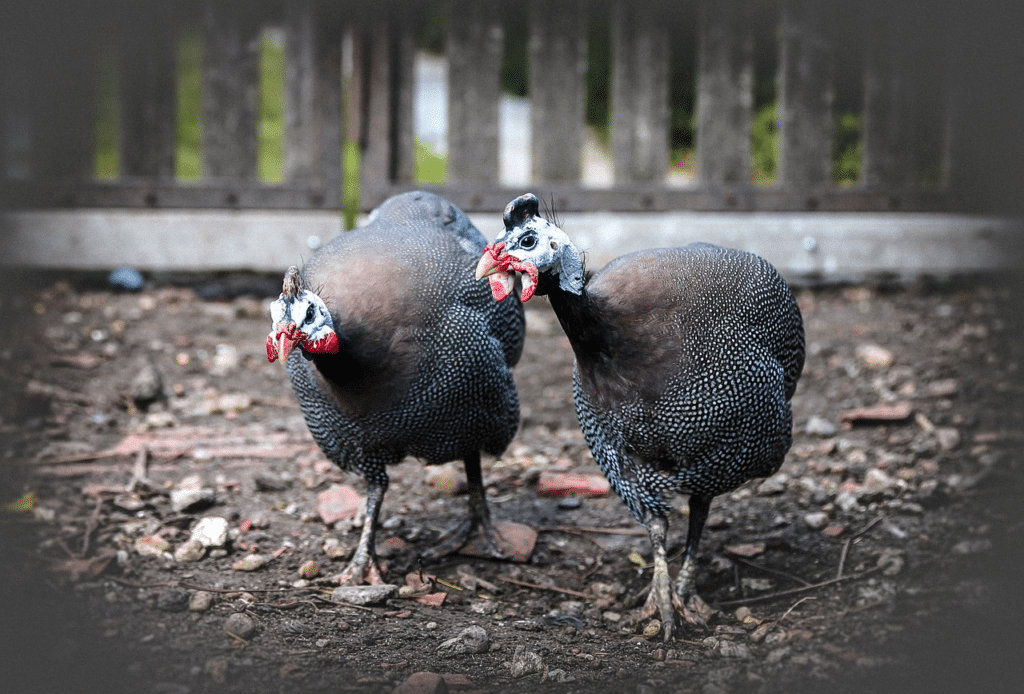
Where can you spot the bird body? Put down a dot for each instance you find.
(423, 359)
(686, 360)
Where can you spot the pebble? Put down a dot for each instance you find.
(774, 485)
(816, 520)
(146, 387)
(873, 356)
(819, 426)
(338, 502)
(525, 663)
(334, 549)
(449, 479)
(948, 437)
(211, 531)
(241, 625)
(225, 360)
(200, 601)
(878, 486)
(152, 546)
(733, 649)
(309, 570)
(472, 639)
(250, 562)
(190, 495)
(423, 683)
(364, 595)
(190, 551)
(173, 600)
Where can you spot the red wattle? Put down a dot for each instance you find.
(271, 349)
(328, 344)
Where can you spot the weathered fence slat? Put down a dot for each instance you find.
(231, 42)
(725, 91)
(640, 108)
(312, 152)
(386, 136)
(558, 68)
(475, 42)
(148, 98)
(889, 142)
(807, 96)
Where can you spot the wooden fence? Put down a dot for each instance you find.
(349, 76)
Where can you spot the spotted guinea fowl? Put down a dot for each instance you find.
(686, 360)
(400, 352)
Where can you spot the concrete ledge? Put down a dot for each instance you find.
(164, 240)
(825, 246)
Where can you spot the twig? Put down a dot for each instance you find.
(90, 527)
(849, 542)
(793, 607)
(801, 589)
(640, 532)
(536, 586)
(751, 564)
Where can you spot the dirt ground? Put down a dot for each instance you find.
(885, 556)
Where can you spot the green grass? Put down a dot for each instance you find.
(431, 167)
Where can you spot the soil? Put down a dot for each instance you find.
(883, 557)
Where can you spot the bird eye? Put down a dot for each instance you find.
(528, 242)
(310, 313)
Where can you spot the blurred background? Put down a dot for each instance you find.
(152, 135)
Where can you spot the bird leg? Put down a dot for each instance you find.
(661, 599)
(363, 567)
(479, 517)
(693, 609)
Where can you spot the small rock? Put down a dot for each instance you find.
(225, 360)
(873, 356)
(472, 639)
(448, 479)
(190, 495)
(152, 546)
(816, 520)
(965, 547)
(514, 539)
(559, 675)
(945, 388)
(364, 595)
(564, 484)
(211, 531)
(241, 625)
(525, 663)
(948, 437)
(200, 601)
(334, 549)
(733, 649)
(423, 683)
(819, 426)
(878, 486)
(250, 562)
(309, 570)
(847, 501)
(652, 629)
(338, 502)
(774, 485)
(147, 387)
(268, 483)
(190, 551)
(173, 600)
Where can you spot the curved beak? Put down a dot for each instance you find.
(492, 261)
(282, 340)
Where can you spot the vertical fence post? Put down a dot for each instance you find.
(148, 95)
(725, 91)
(475, 46)
(640, 107)
(230, 91)
(889, 143)
(312, 113)
(558, 68)
(807, 96)
(387, 134)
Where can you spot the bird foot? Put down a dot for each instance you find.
(666, 604)
(359, 571)
(459, 536)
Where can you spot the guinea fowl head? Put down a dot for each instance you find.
(300, 318)
(533, 246)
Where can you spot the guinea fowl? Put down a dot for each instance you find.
(401, 353)
(686, 360)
